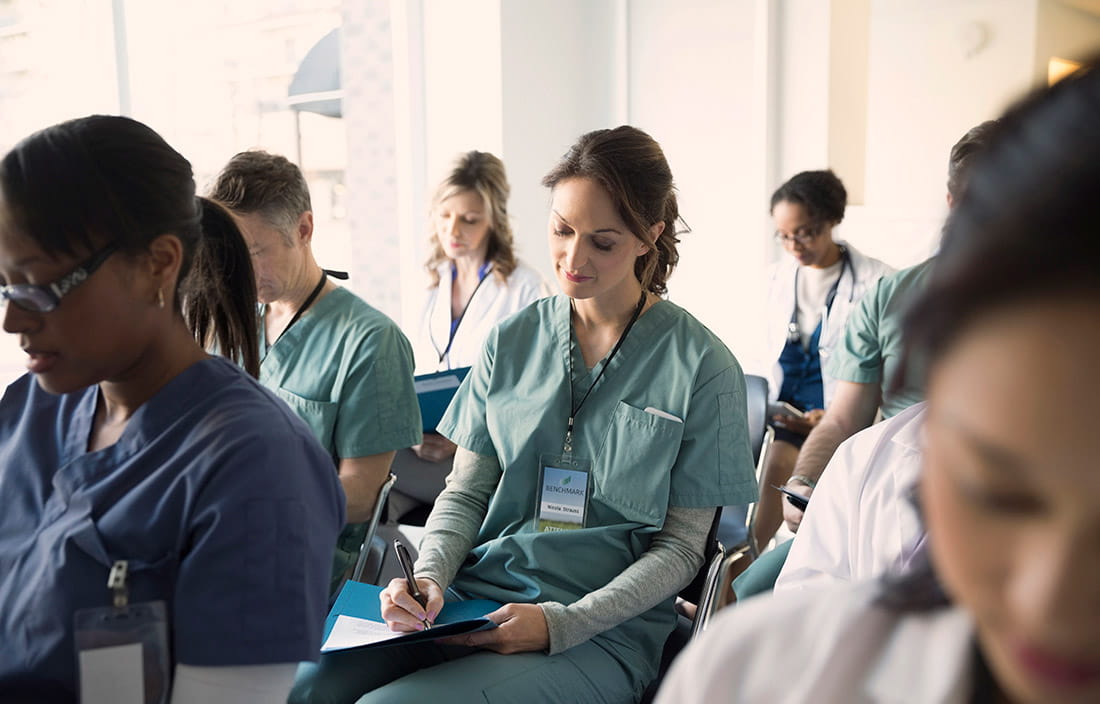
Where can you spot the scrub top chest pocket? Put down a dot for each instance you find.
(633, 469)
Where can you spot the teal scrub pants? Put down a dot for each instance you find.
(585, 674)
(760, 576)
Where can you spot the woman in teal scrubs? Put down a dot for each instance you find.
(596, 434)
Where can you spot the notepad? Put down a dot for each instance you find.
(355, 620)
(434, 393)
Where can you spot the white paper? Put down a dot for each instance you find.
(349, 632)
(423, 386)
(112, 675)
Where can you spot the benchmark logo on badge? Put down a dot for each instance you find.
(563, 500)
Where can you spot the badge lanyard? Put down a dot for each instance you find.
(325, 273)
(793, 333)
(482, 274)
(574, 407)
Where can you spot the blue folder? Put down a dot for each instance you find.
(434, 393)
(361, 601)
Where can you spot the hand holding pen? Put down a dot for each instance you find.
(410, 604)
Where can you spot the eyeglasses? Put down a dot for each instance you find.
(803, 236)
(43, 298)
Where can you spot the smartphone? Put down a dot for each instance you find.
(797, 500)
(782, 408)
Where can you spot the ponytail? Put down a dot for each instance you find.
(218, 294)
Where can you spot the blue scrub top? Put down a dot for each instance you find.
(220, 498)
(514, 405)
(802, 383)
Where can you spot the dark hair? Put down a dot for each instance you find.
(1026, 229)
(631, 167)
(79, 184)
(258, 182)
(482, 173)
(961, 159)
(820, 193)
(210, 305)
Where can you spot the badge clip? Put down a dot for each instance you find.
(116, 582)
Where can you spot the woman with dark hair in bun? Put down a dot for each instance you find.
(138, 471)
(597, 433)
(810, 295)
(999, 602)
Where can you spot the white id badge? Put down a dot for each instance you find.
(122, 652)
(563, 493)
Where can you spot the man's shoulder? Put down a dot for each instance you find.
(347, 309)
(900, 283)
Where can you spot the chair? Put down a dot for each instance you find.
(761, 435)
(705, 589)
(721, 567)
(372, 551)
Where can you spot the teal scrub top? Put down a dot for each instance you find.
(347, 370)
(872, 350)
(514, 405)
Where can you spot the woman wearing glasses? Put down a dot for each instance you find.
(809, 298)
(139, 472)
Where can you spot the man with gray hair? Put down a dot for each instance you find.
(343, 366)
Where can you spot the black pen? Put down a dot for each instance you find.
(407, 568)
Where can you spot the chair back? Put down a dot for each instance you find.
(756, 395)
(376, 517)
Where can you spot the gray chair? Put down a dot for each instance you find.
(373, 550)
(761, 436)
(704, 589)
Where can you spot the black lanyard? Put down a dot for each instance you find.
(793, 332)
(575, 409)
(302, 308)
(482, 275)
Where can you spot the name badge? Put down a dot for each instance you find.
(563, 494)
(122, 650)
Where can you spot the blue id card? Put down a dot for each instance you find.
(563, 494)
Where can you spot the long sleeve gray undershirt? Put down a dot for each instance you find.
(672, 560)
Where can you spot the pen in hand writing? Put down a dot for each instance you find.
(407, 567)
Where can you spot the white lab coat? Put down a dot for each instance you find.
(860, 522)
(831, 646)
(854, 282)
(493, 302)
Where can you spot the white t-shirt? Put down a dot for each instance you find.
(813, 289)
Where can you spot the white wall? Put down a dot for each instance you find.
(924, 92)
(1066, 33)
(560, 70)
(691, 86)
(519, 79)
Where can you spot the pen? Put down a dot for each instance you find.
(407, 568)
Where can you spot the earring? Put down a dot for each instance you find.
(160, 297)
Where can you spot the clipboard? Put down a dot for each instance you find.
(355, 621)
(434, 393)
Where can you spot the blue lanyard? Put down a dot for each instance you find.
(482, 273)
